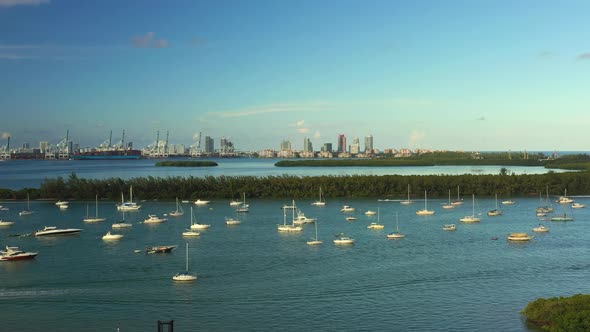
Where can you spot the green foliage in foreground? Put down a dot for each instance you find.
(186, 163)
(295, 187)
(559, 314)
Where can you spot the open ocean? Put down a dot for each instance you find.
(253, 278)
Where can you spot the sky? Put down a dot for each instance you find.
(448, 75)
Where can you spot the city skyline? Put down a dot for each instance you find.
(445, 76)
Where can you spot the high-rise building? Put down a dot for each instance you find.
(227, 147)
(307, 146)
(327, 147)
(341, 143)
(43, 145)
(286, 145)
(209, 145)
(355, 148)
(369, 144)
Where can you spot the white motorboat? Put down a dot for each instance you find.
(519, 237)
(232, 221)
(59, 203)
(179, 211)
(376, 225)
(578, 206)
(6, 223)
(185, 276)
(128, 206)
(112, 237)
(541, 229)
(289, 228)
(508, 202)
(564, 199)
(347, 208)
(53, 230)
(472, 217)
(425, 212)
(370, 213)
(343, 240)
(449, 227)
(63, 207)
(201, 202)
(315, 241)
(407, 201)
(396, 234)
(196, 225)
(351, 218)
(15, 254)
(302, 219)
(321, 202)
(96, 218)
(154, 219)
(159, 249)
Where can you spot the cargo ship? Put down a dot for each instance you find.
(108, 151)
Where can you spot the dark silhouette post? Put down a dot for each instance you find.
(169, 324)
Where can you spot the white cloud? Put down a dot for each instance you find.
(317, 135)
(275, 108)
(149, 41)
(303, 130)
(300, 123)
(10, 3)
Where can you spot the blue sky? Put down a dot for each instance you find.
(458, 75)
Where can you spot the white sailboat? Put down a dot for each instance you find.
(96, 218)
(407, 201)
(496, 211)
(179, 211)
(185, 276)
(289, 228)
(28, 211)
(315, 241)
(472, 217)
(449, 205)
(321, 202)
(196, 225)
(122, 223)
(396, 234)
(128, 206)
(190, 231)
(243, 207)
(376, 225)
(425, 212)
(458, 201)
(564, 199)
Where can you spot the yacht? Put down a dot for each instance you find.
(200, 202)
(154, 219)
(232, 221)
(159, 249)
(128, 206)
(578, 206)
(370, 213)
(351, 218)
(343, 240)
(15, 254)
(28, 211)
(449, 227)
(52, 230)
(425, 212)
(563, 217)
(59, 203)
(315, 241)
(122, 223)
(347, 208)
(519, 237)
(110, 237)
(6, 223)
(243, 207)
(541, 229)
(189, 232)
(564, 199)
(508, 202)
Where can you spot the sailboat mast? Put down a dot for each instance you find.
(96, 202)
(293, 212)
(187, 257)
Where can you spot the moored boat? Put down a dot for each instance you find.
(449, 227)
(53, 230)
(154, 219)
(15, 254)
(519, 237)
(541, 229)
(159, 249)
(111, 237)
(343, 240)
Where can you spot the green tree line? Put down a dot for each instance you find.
(571, 314)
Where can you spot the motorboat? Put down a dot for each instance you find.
(343, 240)
(351, 218)
(154, 219)
(59, 203)
(425, 211)
(159, 249)
(449, 227)
(578, 206)
(185, 276)
(6, 223)
(111, 237)
(302, 219)
(370, 213)
(541, 229)
(232, 221)
(519, 237)
(347, 208)
(564, 199)
(508, 202)
(15, 254)
(201, 202)
(196, 225)
(63, 207)
(53, 230)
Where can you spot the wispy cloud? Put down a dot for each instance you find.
(10, 3)
(583, 56)
(149, 41)
(275, 108)
(303, 130)
(317, 135)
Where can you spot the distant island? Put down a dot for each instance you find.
(560, 313)
(186, 163)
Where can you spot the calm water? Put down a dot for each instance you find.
(16, 174)
(253, 278)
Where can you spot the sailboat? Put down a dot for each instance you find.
(28, 210)
(564, 199)
(122, 224)
(243, 207)
(563, 217)
(185, 276)
(408, 201)
(425, 212)
(542, 210)
(496, 211)
(449, 205)
(320, 202)
(128, 206)
(396, 234)
(315, 241)
(197, 225)
(289, 228)
(458, 201)
(179, 211)
(376, 225)
(191, 232)
(95, 218)
(472, 217)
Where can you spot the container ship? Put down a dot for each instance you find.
(108, 151)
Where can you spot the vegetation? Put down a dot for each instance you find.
(560, 313)
(385, 186)
(186, 163)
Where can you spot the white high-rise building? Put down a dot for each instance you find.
(307, 146)
(369, 144)
(355, 147)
